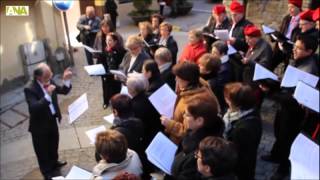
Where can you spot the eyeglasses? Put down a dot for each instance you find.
(298, 48)
(302, 24)
(133, 48)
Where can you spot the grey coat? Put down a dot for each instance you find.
(262, 54)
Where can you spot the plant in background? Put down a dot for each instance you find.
(184, 6)
(142, 7)
(142, 11)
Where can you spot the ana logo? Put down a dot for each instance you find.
(17, 10)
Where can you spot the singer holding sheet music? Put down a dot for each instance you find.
(290, 29)
(133, 60)
(236, 33)
(88, 26)
(290, 115)
(218, 19)
(150, 39)
(201, 120)
(113, 55)
(259, 51)
(41, 96)
(189, 85)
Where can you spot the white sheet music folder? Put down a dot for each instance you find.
(161, 152)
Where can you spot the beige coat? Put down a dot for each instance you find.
(176, 128)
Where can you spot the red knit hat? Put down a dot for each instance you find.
(306, 15)
(252, 30)
(219, 9)
(297, 3)
(236, 7)
(316, 14)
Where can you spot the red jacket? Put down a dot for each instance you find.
(192, 52)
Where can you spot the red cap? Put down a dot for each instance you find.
(306, 15)
(236, 7)
(252, 30)
(297, 3)
(219, 9)
(316, 14)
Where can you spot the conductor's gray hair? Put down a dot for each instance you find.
(39, 70)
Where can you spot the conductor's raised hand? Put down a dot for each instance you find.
(50, 89)
(67, 74)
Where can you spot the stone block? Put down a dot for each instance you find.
(17, 150)
(11, 118)
(68, 139)
(3, 127)
(22, 108)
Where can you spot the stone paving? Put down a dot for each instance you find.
(17, 156)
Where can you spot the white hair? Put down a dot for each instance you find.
(137, 82)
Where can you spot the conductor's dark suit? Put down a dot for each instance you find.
(43, 124)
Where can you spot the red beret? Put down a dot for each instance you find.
(306, 15)
(316, 14)
(252, 30)
(218, 9)
(236, 7)
(297, 3)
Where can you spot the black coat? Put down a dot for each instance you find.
(218, 81)
(226, 177)
(133, 129)
(238, 33)
(151, 44)
(184, 166)
(110, 60)
(211, 26)
(173, 47)
(285, 26)
(314, 33)
(307, 64)
(113, 59)
(110, 7)
(137, 65)
(168, 77)
(279, 55)
(246, 133)
(41, 118)
(154, 84)
(145, 111)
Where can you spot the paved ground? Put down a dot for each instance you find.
(17, 156)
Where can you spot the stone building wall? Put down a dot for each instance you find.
(268, 12)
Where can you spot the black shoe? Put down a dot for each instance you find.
(48, 176)
(269, 158)
(54, 173)
(59, 164)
